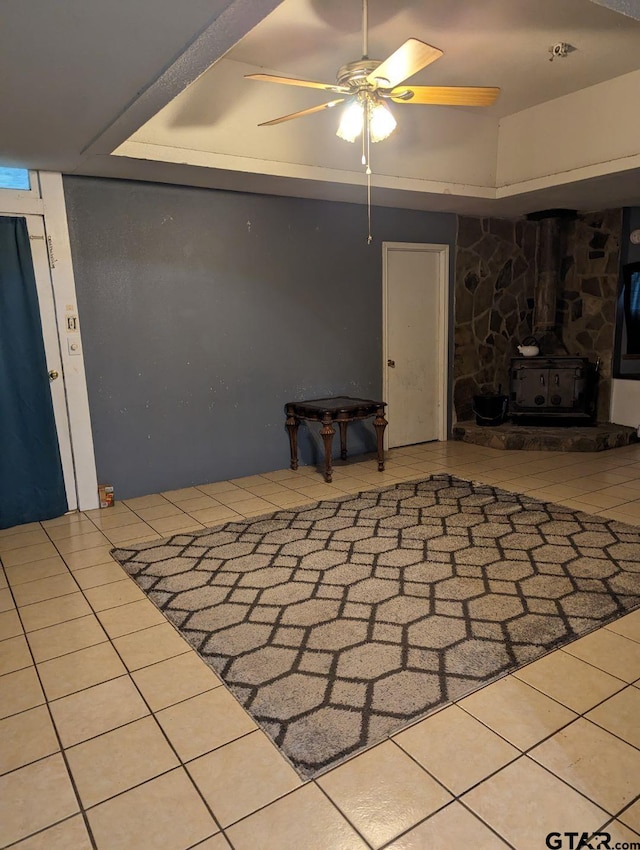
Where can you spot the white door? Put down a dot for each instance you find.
(415, 301)
(35, 228)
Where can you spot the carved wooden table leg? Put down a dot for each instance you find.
(380, 423)
(326, 432)
(292, 427)
(343, 440)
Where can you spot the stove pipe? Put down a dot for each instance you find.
(546, 290)
(547, 287)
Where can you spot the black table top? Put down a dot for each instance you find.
(335, 405)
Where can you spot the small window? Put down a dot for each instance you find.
(15, 178)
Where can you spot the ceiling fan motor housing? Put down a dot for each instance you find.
(354, 74)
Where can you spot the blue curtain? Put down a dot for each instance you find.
(31, 482)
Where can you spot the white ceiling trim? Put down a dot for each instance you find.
(228, 162)
(225, 162)
(576, 175)
(573, 131)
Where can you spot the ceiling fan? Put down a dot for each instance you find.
(367, 85)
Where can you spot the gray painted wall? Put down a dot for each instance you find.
(204, 311)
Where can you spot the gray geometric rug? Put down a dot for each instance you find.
(337, 624)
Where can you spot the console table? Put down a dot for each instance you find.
(341, 409)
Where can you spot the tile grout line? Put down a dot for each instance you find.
(129, 672)
(84, 810)
(629, 805)
(51, 826)
(341, 813)
(475, 815)
(158, 724)
(62, 751)
(522, 752)
(222, 830)
(526, 753)
(538, 743)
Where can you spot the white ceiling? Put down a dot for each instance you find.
(85, 78)
(485, 42)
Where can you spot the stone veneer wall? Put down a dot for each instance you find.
(587, 299)
(495, 279)
(494, 282)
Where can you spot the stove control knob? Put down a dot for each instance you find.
(539, 399)
(556, 400)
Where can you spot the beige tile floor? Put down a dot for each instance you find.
(115, 735)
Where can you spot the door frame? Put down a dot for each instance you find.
(51, 340)
(47, 201)
(442, 320)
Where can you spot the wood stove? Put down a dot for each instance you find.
(552, 388)
(556, 387)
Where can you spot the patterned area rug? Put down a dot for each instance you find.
(337, 624)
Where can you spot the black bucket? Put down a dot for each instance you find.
(490, 409)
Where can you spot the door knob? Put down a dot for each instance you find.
(53, 374)
(391, 363)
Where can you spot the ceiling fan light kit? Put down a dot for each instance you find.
(351, 121)
(366, 110)
(366, 84)
(381, 121)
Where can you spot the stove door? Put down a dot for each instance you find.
(531, 388)
(551, 388)
(562, 388)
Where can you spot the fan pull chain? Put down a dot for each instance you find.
(369, 237)
(368, 173)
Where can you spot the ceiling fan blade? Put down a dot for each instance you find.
(445, 95)
(309, 111)
(292, 81)
(407, 60)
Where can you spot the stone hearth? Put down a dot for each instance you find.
(568, 438)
